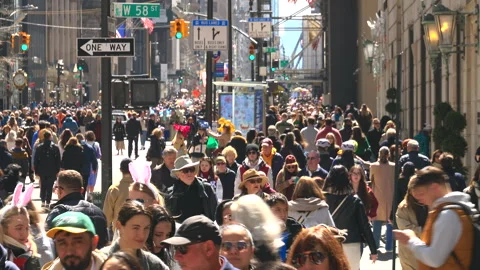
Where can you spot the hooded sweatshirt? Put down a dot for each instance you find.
(310, 212)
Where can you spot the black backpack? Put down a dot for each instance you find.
(475, 218)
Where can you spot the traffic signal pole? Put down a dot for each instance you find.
(106, 71)
(230, 45)
(209, 68)
(259, 43)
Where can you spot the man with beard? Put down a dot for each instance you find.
(76, 242)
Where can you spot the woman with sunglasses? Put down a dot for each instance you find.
(226, 177)
(163, 227)
(318, 248)
(237, 246)
(253, 182)
(134, 224)
(287, 177)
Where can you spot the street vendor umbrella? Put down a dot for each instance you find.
(183, 90)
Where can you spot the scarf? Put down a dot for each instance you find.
(12, 242)
(268, 159)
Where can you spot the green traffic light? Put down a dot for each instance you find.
(273, 69)
(24, 47)
(178, 35)
(251, 57)
(80, 68)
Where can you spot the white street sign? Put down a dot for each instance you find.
(105, 47)
(210, 35)
(260, 27)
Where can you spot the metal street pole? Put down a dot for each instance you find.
(208, 67)
(58, 84)
(230, 45)
(259, 44)
(81, 88)
(106, 71)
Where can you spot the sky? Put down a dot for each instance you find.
(289, 38)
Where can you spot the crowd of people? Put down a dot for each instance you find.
(313, 192)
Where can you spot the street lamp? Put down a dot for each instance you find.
(368, 50)
(431, 34)
(445, 20)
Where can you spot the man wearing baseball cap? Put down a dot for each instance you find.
(75, 241)
(197, 245)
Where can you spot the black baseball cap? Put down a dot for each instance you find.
(195, 229)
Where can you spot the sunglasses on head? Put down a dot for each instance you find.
(291, 166)
(240, 246)
(220, 163)
(315, 257)
(257, 181)
(188, 170)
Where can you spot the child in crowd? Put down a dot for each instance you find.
(279, 205)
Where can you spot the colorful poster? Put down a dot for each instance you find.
(244, 111)
(225, 105)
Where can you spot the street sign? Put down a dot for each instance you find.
(87, 47)
(260, 27)
(136, 10)
(283, 63)
(210, 35)
(219, 70)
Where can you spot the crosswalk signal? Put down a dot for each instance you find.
(179, 28)
(275, 64)
(251, 50)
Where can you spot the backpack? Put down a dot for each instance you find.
(475, 218)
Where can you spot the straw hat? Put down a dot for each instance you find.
(181, 163)
(253, 174)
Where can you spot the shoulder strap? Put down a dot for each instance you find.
(302, 219)
(338, 207)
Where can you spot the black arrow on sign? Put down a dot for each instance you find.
(262, 26)
(198, 30)
(214, 33)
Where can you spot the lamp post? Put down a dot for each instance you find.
(368, 51)
(60, 66)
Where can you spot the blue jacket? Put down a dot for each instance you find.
(5, 120)
(319, 172)
(89, 159)
(420, 161)
(70, 124)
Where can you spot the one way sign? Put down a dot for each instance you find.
(105, 47)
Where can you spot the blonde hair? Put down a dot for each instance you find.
(229, 150)
(150, 190)
(6, 216)
(256, 215)
(157, 132)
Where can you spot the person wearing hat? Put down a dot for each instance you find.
(190, 196)
(326, 160)
(348, 158)
(254, 161)
(198, 145)
(253, 183)
(226, 176)
(197, 245)
(420, 161)
(287, 177)
(76, 242)
(271, 157)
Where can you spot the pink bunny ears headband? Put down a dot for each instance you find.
(20, 199)
(141, 173)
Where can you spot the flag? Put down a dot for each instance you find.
(148, 24)
(121, 31)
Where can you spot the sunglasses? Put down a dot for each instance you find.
(220, 163)
(311, 158)
(315, 257)
(188, 170)
(240, 246)
(252, 152)
(183, 249)
(291, 166)
(257, 181)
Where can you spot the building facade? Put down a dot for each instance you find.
(408, 67)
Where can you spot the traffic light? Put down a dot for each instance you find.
(15, 40)
(275, 64)
(173, 31)
(186, 28)
(251, 50)
(82, 65)
(180, 80)
(25, 42)
(178, 28)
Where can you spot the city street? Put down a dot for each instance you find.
(384, 259)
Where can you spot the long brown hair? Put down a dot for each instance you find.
(362, 187)
(323, 238)
(307, 188)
